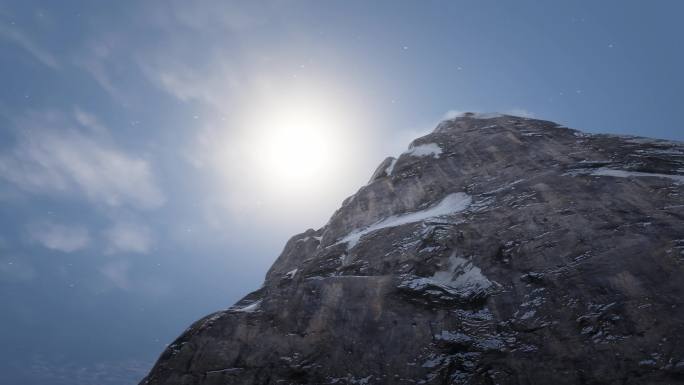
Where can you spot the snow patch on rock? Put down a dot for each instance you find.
(251, 308)
(461, 282)
(306, 239)
(291, 274)
(475, 115)
(604, 171)
(451, 204)
(427, 149)
(390, 168)
(460, 275)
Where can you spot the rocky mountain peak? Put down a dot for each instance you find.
(495, 250)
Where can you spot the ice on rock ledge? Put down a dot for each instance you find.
(451, 204)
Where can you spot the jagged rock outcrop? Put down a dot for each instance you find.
(496, 250)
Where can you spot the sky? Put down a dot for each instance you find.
(155, 156)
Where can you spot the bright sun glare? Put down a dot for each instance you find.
(298, 143)
(299, 139)
(292, 148)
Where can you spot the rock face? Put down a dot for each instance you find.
(496, 250)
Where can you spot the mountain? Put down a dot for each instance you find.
(496, 250)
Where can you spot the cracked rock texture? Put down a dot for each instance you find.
(496, 250)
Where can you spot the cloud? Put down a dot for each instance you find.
(65, 238)
(126, 237)
(171, 61)
(520, 112)
(52, 155)
(117, 273)
(98, 59)
(227, 15)
(89, 121)
(188, 84)
(451, 114)
(23, 41)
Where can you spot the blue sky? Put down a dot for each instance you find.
(142, 181)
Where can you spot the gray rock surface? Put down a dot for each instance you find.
(496, 250)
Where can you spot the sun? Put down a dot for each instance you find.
(289, 149)
(296, 140)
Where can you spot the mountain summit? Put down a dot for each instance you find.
(495, 250)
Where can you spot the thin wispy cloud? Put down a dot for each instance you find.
(173, 64)
(60, 237)
(227, 15)
(190, 82)
(126, 237)
(54, 155)
(520, 112)
(90, 122)
(116, 273)
(22, 40)
(512, 111)
(98, 59)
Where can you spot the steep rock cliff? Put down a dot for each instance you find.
(496, 250)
